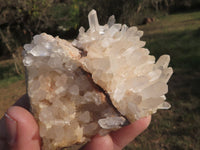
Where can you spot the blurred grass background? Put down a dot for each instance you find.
(178, 128)
(174, 30)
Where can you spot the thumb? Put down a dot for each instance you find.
(23, 132)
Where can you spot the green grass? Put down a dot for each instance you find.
(8, 74)
(178, 128)
(172, 23)
(182, 46)
(12, 85)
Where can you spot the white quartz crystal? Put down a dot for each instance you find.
(121, 66)
(111, 122)
(75, 96)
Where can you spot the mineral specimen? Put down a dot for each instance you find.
(98, 83)
(125, 70)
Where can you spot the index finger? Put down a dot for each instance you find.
(126, 134)
(118, 139)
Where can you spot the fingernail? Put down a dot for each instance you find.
(11, 129)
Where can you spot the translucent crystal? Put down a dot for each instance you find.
(111, 20)
(85, 117)
(93, 21)
(164, 105)
(74, 90)
(155, 90)
(111, 122)
(163, 61)
(27, 61)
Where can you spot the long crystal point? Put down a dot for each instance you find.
(111, 20)
(164, 105)
(93, 20)
(163, 61)
(166, 74)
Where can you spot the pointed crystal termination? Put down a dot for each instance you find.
(93, 20)
(111, 122)
(111, 21)
(163, 61)
(164, 105)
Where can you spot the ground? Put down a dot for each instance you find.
(12, 86)
(178, 128)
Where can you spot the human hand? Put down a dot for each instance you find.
(19, 131)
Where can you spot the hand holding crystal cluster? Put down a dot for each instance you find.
(96, 84)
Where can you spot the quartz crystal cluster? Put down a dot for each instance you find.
(123, 68)
(98, 83)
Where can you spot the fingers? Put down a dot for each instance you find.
(100, 143)
(126, 134)
(120, 138)
(23, 102)
(3, 135)
(23, 129)
(24, 132)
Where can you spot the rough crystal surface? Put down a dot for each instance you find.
(75, 96)
(64, 101)
(119, 64)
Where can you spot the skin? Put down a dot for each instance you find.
(19, 131)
